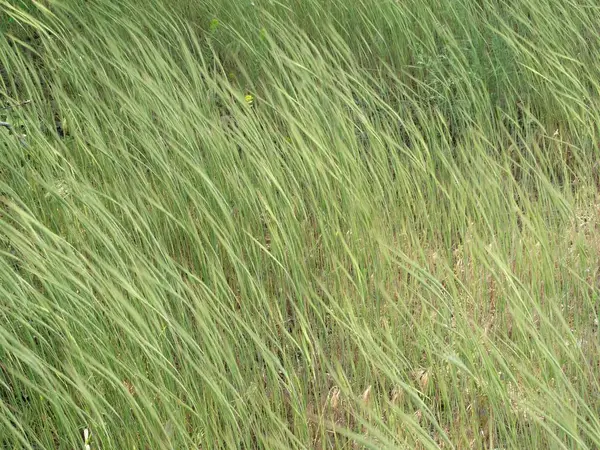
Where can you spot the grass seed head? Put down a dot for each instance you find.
(334, 397)
(422, 378)
(396, 395)
(366, 396)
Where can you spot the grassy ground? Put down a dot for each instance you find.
(310, 224)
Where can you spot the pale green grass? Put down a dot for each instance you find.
(394, 246)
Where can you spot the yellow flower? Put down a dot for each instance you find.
(249, 99)
(214, 25)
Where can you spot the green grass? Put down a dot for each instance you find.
(393, 246)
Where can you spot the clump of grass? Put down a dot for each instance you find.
(318, 225)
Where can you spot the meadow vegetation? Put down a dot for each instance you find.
(302, 224)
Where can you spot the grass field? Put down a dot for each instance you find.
(303, 224)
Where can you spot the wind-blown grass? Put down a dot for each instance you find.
(391, 243)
